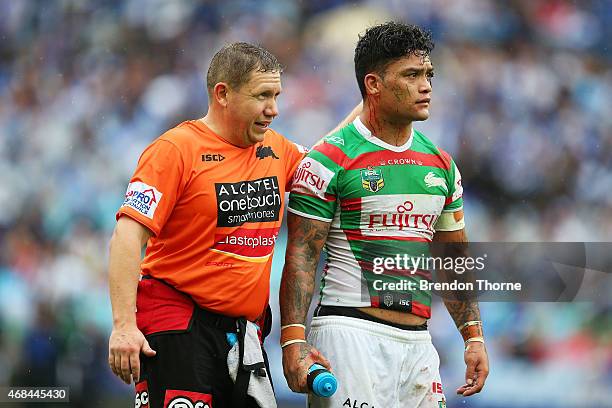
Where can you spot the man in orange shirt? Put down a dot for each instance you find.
(207, 199)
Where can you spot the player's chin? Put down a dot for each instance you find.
(421, 114)
(257, 134)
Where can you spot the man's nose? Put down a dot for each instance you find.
(271, 108)
(425, 86)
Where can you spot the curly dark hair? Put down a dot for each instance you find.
(384, 43)
(234, 63)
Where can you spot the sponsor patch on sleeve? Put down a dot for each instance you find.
(142, 198)
(311, 178)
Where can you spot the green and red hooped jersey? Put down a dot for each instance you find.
(383, 202)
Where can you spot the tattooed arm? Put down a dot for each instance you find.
(306, 239)
(463, 309)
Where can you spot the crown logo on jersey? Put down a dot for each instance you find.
(372, 179)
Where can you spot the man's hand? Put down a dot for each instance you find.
(477, 369)
(124, 349)
(297, 359)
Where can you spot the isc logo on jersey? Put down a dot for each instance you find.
(142, 400)
(311, 178)
(142, 197)
(142, 395)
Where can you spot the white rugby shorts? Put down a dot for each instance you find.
(377, 366)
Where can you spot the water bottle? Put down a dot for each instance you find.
(232, 338)
(321, 382)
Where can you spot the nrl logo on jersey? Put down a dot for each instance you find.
(372, 179)
(431, 180)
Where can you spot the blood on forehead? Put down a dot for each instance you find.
(423, 56)
(416, 60)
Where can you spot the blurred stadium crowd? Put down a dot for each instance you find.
(522, 100)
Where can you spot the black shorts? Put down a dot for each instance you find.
(190, 366)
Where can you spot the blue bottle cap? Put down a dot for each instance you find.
(232, 338)
(325, 384)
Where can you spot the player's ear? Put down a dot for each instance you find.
(372, 82)
(220, 92)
